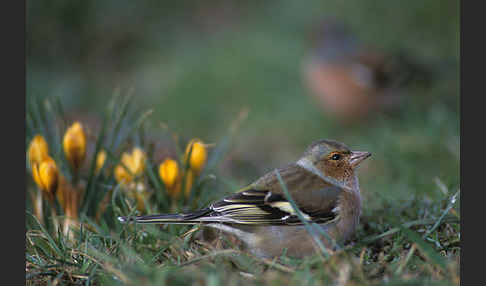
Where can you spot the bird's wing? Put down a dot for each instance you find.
(264, 202)
(264, 207)
(249, 207)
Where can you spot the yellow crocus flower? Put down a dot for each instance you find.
(169, 174)
(38, 150)
(74, 144)
(100, 160)
(135, 162)
(46, 176)
(198, 155)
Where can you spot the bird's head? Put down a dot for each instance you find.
(334, 41)
(332, 159)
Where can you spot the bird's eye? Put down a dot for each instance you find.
(336, 157)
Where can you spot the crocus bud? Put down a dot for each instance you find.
(74, 144)
(121, 175)
(46, 176)
(169, 174)
(135, 162)
(198, 155)
(38, 150)
(100, 160)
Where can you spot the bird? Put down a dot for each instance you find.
(322, 184)
(351, 80)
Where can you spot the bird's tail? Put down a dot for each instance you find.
(201, 216)
(205, 216)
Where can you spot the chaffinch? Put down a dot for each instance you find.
(349, 79)
(322, 183)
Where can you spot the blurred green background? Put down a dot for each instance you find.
(199, 63)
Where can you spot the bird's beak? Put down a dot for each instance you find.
(357, 157)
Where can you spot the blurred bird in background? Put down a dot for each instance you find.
(322, 183)
(351, 80)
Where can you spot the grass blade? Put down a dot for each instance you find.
(307, 225)
(48, 236)
(425, 247)
(451, 203)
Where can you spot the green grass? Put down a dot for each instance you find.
(198, 78)
(406, 235)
